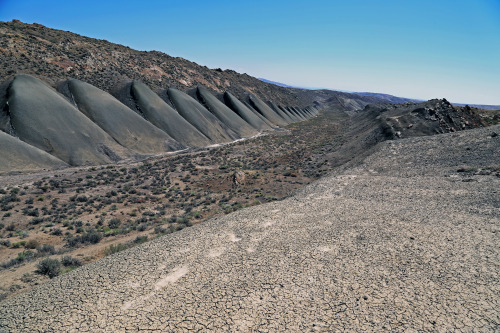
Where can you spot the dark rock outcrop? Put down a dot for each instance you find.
(124, 125)
(41, 117)
(200, 117)
(225, 114)
(244, 112)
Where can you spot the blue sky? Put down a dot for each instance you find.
(421, 49)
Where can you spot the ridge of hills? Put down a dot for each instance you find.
(98, 83)
(56, 55)
(84, 125)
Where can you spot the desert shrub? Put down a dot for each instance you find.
(69, 261)
(160, 230)
(140, 239)
(21, 257)
(19, 244)
(82, 198)
(46, 249)
(114, 223)
(73, 241)
(115, 248)
(49, 267)
(32, 244)
(36, 220)
(57, 232)
(92, 237)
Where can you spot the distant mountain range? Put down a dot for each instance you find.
(386, 97)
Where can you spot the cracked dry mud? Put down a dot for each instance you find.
(401, 242)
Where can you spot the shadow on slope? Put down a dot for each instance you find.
(224, 114)
(125, 126)
(200, 117)
(17, 155)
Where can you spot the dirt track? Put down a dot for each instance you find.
(406, 241)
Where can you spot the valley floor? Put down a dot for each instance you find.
(89, 212)
(407, 240)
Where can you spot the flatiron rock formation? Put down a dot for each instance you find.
(124, 125)
(20, 156)
(41, 117)
(244, 112)
(266, 111)
(137, 96)
(225, 114)
(281, 113)
(200, 117)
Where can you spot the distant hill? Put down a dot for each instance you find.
(389, 98)
(480, 106)
(276, 83)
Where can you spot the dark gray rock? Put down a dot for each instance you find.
(225, 114)
(124, 125)
(244, 112)
(200, 117)
(38, 115)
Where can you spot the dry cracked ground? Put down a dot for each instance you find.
(408, 240)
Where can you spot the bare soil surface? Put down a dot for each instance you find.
(56, 213)
(406, 240)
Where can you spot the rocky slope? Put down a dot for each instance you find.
(56, 55)
(133, 104)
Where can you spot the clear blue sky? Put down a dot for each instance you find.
(421, 49)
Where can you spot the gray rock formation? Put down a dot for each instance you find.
(124, 125)
(225, 114)
(200, 117)
(297, 114)
(266, 111)
(288, 118)
(16, 155)
(41, 117)
(244, 112)
(154, 109)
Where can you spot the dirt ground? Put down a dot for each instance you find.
(56, 213)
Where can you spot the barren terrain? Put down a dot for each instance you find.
(406, 240)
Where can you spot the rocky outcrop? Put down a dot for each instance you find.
(41, 117)
(125, 126)
(225, 114)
